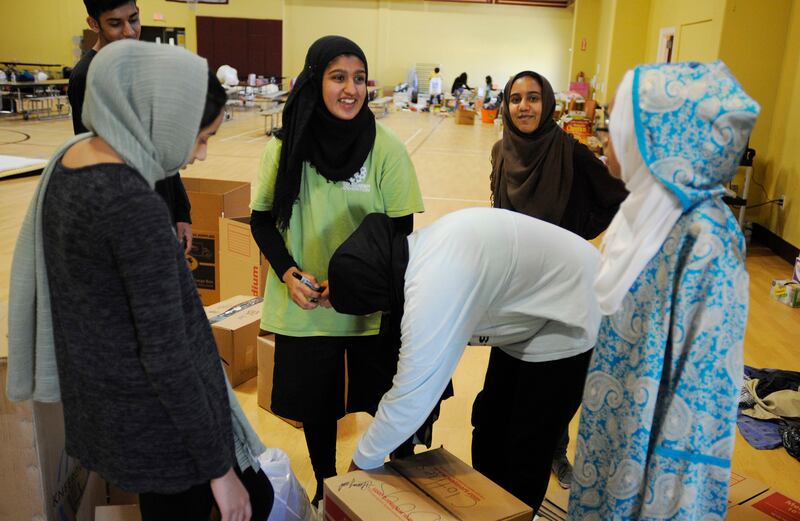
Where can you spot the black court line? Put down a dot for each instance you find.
(20, 175)
(25, 137)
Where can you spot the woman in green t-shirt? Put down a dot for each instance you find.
(330, 166)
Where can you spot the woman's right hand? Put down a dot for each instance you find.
(305, 297)
(231, 497)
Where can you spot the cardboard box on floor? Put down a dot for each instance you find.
(430, 485)
(465, 117)
(767, 506)
(235, 324)
(554, 505)
(210, 200)
(741, 489)
(243, 269)
(266, 365)
(40, 481)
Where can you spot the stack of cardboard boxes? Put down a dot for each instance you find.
(231, 273)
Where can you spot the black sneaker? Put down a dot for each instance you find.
(317, 494)
(563, 471)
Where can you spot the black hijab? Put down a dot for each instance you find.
(337, 148)
(532, 173)
(367, 272)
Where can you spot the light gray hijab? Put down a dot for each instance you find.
(146, 101)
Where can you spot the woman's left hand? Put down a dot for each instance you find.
(184, 231)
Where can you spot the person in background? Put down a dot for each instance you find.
(104, 314)
(330, 166)
(541, 171)
(435, 88)
(115, 20)
(459, 85)
(658, 421)
(486, 91)
(488, 277)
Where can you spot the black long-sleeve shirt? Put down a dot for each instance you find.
(144, 395)
(170, 189)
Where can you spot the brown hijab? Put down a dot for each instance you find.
(532, 173)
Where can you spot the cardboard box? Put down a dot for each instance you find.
(554, 505)
(210, 200)
(580, 129)
(243, 269)
(266, 365)
(40, 481)
(742, 489)
(786, 292)
(118, 513)
(465, 117)
(430, 485)
(235, 324)
(767, 506)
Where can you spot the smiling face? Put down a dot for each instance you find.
(525, 104)
(117, 24)
(344, 86)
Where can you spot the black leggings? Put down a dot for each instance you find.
(519, 417)
(195, 504)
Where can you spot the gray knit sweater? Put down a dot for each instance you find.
(144, 394)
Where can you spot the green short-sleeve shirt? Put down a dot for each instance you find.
(324, 215)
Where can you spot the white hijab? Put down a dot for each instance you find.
(644, 219)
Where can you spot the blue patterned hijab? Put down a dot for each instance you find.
(678, 131)
(692, 122)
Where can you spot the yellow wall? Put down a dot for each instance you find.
(306, 20)
(628, 37)
(181, 15)
(605, 29)
(585, 25)
(477, 39)
(42, 31)
(497, 40)
(704, 15)
(782, 175)
(752, 44)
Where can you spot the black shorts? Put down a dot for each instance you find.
(309, 375)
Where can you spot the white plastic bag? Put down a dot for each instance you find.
(291, 502)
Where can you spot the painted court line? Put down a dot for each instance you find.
(237, 135)
(412, 136)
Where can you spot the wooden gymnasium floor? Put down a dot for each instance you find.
(452, 163)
